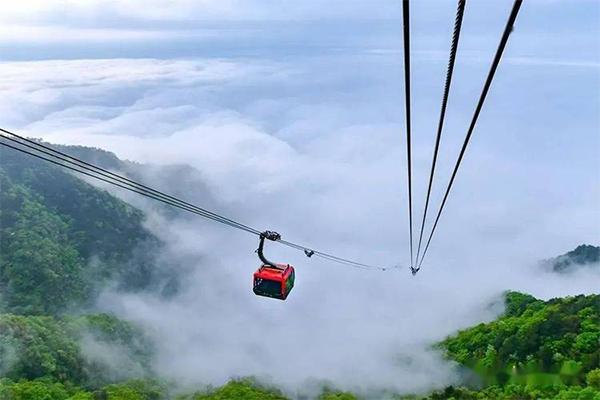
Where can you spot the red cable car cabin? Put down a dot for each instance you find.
(274, 282)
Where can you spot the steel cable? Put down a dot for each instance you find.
(453, 48)
(488, 82)
(406, 31)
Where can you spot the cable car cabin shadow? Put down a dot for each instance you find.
(274, 282)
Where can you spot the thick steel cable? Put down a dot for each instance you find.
(488, 82)
(125, 185)
(451, 60)
(330, 256)
(111, 181)
(106, 176)
(406, 30)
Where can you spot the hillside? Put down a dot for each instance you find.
(62, 238)
(36, 347)
(556, 341)
(535, 344)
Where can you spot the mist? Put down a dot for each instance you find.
(356, 330)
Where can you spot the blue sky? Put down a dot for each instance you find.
(293, 114)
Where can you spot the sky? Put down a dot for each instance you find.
(293, 115)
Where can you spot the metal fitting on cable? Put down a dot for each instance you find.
(271, 235)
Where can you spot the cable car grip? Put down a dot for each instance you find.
(271, 235)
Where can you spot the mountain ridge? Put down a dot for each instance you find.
(584, 255)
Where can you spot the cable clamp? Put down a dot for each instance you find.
(309, 253)
(271, 235)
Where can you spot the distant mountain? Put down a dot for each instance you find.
(584, 255)
(181, 181)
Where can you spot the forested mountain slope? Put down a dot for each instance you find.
(33, 347)
(61, 241)
(557, 341)
(535, 344)
(62, 238)
(584, 255)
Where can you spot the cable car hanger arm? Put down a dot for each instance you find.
(271, 235)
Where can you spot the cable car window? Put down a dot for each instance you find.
(267, 287)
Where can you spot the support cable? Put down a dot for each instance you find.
(488, 82)
(453, 48)
(406, 30)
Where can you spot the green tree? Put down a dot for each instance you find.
(337, 396)
(244, 389)
(593, 378)
(558, 340)
(32, 390)
(59, 231)
(42, 272)
(43, 347)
